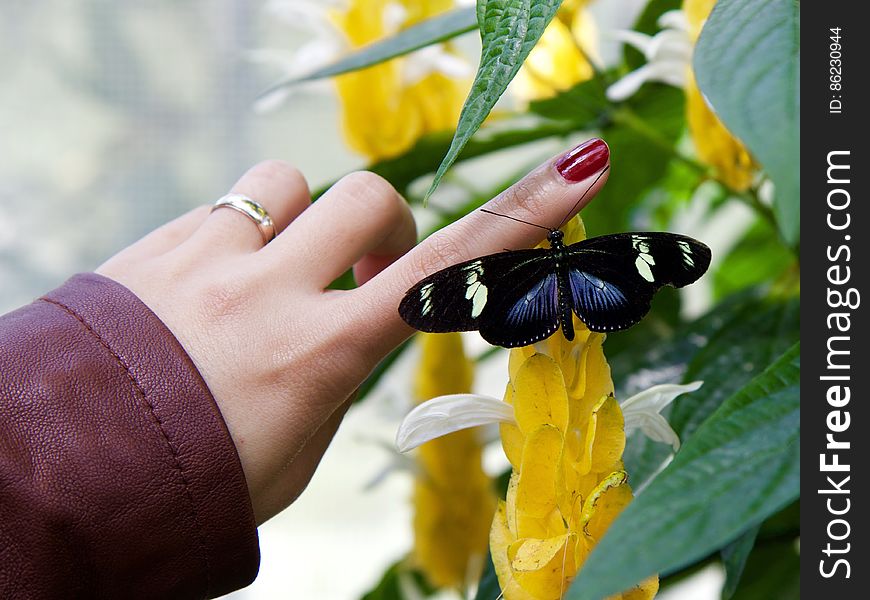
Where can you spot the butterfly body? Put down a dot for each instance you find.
(516, 298)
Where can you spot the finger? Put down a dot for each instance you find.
(361, 215)
(278, 186)
(161, 240)
(547, 196)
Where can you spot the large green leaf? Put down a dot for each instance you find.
(747, 63)
(509, 29)
(772, 572)
(431, 31)
(742, 465)
(732, 355)
(725, 348)
(757, 258)
(734, 557)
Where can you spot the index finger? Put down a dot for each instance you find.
(547, 196)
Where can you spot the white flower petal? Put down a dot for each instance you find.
(635, 39)
(446, 414)
(670, 45)
(433, 59)
(668, 54)
(674, 19)
(394, 16)
(628, 85)
(641, 411)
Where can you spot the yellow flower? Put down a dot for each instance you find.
(714, 144)
(563, 433)
(453, 497)
(559, 60)
(669, 59)
(568, 482)
(386, 108)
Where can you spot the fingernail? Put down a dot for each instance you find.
(585, 160)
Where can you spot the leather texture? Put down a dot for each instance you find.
(118, 477)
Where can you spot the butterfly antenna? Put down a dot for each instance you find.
(489, 212)
(576, 204)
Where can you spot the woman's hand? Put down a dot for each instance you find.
(283, 355)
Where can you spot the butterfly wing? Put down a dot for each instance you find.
(613, 278)
(511, 298)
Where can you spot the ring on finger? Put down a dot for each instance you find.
(251, 209)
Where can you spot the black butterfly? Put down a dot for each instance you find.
(519, 297)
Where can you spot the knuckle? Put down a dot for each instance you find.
(528, 195)
(275, 168)
(224, 297)
(368, 188)
(439, 251)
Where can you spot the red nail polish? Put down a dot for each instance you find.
(585, 160)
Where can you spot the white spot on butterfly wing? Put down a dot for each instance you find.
(644, 260)
(476, 291)
(642, 264)
(425, 298)
(687, 253)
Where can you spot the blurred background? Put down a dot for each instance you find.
(118, 115)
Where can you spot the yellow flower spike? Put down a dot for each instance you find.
(645, 590)
(696, 12)
(550, 581)
(386, 108)
(715, 145)
(500, 539)
(453, 498)
(557, 62)
(605, 439)
(539, 395)
(604, 503)
(511, 499)
(444, 368)
(593, 373)
(511, 437)
(567, 484)
(536, 485)
(532, 554)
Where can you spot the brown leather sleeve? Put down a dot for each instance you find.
(118, 477)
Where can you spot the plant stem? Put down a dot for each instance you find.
(627, 117)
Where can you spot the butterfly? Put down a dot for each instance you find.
(518, 297)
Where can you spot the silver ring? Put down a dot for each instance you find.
(251, 209)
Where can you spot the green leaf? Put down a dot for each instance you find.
(641, 140)
(725, 348)
(394, 580)
(583, 104)
(734, 557)
(488, 588)
(509, 30)
(428, 32)
(772, 572)
(742, 465)
(757, 258)
(734, 354)
(747, 63)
